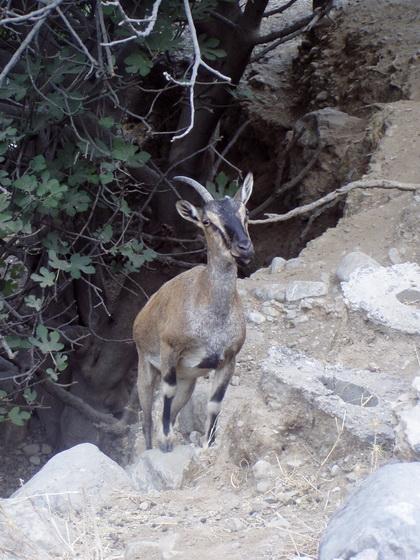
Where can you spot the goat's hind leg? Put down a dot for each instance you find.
(147, 375)
(168, 363)
(220, 383)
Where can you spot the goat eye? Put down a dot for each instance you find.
(205, 222)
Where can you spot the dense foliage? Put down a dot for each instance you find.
(100, 104)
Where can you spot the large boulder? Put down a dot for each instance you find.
(381, 520)
(70, 479)
(155, 470)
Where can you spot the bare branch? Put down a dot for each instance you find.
(131, 22)
(78, 39)
(198, 61)
(21, 49)
(281, 189)
(281, 9)
(231, 143)
(36, 14)
(102, 420)
(296, 26)
(362, 184)
(317, 15)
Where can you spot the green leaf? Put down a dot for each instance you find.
(105, 234)
(46, 341)
(29, 395)
(18, 416)
(34, 302)
(17, 343)
(55, 262)
(45, 277)
(38, 163)
(107, 122)
(209, 48)
(138, 63)
(79, 264)
(123, 150)
(75, 202)
(27, 183)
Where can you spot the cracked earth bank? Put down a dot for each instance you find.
(314, 405)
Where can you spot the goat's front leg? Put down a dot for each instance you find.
(168, 362)
(220, 383)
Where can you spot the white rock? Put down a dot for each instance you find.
(262, 469)
(410, 423)
(271, 311)
(300, 289)
(155, 470)
(268, 292)
(416, 385)
(352, 262)
(73, 477)
(394, 256)
(382, 515)
(386, 294)
(256, 317)
(25, 526)
(192, 417)
(293, 264)
(235, 524)
(277, 265)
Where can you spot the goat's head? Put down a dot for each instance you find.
(225, 221)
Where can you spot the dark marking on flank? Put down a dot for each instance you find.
(211, 362)
(220, 392)
(166, 417)
(170, 378)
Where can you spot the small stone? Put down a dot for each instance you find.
(352, 262)
(235, 381)
(269, 292)
(292, 264)
(46, 449)
(256, 317)
(35, 459)
(144, 506)
(31, 449)
(262, 469)
(367, 554)
(270, 311)
(277, 265)
(195, 438)
(235, 524)
(394, 256)
(264, 486)
(416, 385)
(322, 96)
(300, 289)
(410, 422)
(278, 522)
(335, 470)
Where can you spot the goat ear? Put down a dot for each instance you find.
(189, 212)
(244, 193)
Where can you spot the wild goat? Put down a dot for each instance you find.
(195, 323)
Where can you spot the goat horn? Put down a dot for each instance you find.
(196, 185)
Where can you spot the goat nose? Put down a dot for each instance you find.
(245, 245)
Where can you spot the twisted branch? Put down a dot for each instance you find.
(362, 184)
